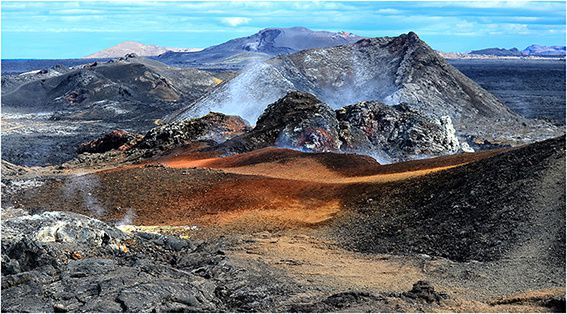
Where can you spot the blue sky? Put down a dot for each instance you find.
(73, 29)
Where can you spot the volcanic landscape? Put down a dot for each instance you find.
(262, 175)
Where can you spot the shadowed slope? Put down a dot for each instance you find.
(500, 206)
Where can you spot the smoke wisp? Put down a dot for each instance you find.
(83, 186)
(127, 219)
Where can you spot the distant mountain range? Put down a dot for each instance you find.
(137, 48)
(270, 42)
(533, 50)
(263, 45)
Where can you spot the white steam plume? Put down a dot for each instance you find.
(84, 185)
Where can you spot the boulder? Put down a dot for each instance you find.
(214, 127)
(117, 139)
(423, 290)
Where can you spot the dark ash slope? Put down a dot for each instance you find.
(508, 206)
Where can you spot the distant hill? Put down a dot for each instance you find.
(266, 43)
(501, 52)
(132, 89)
(533, 50)
(537, 50)
(138, 48)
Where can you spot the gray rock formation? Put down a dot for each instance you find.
(132, 89)
(391, 133)
(388, 133)
(214, 127)
(298, 120)
(67, 262)
(210, 130)
(395, 70)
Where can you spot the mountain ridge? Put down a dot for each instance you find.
(138, 48)
(110, 91)
(532, 50)
(269, 42)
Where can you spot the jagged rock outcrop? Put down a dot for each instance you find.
(298, 120)
(71, 263)
(401, 69)
(394, 132)
(208, 131)
(214, 127)
(117, 139)
(301, 121)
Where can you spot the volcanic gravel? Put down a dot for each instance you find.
(487, 210)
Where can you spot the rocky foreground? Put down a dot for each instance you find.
(62, 262)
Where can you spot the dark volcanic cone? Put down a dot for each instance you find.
(402, 69)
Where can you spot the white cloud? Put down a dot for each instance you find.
(235, 21)
(81, 18)
(76, 11)
(388, 11)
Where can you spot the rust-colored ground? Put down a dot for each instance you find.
(321, 167)
(271, 161)
(267, 189)
(311, 260)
